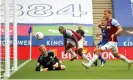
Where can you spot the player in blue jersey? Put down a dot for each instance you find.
(103, 41)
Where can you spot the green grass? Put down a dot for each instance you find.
(114, 69)
(11, 65)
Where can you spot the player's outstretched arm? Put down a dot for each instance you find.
(55, 58)
(129, 32)
(38, 65)
(100, 26)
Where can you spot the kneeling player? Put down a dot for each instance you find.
(48, 61)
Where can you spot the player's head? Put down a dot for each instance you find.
(61, 29)
(107, 14)
(42, 49)
(80, 27)
(103, 21)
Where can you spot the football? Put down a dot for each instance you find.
(39, 35)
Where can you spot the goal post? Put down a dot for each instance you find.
(7, 38)
(12, 41)
(15, 60)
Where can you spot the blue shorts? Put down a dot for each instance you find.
(101, 43)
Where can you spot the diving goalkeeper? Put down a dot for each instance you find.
(48, 61)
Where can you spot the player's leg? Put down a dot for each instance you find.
(96, 55)
(122, 57)
(80, 50)
(68, 49)
(103, 61)
(59, 66)
(96, 62)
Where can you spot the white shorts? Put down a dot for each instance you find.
(80, 42)
(110, 45)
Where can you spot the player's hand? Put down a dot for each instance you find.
(112, 36)
(129, 32)
(99, 25)
(56, 65)
(103, 27)
(60, 61)
(98, 34)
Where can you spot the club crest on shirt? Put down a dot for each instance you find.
(108, 27)
(51, 57)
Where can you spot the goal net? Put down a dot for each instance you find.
(12, 41)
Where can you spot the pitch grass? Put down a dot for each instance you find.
(114, 69)
(11, 65)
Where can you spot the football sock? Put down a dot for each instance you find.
(124, 58)
(85, 57)
(71, 52)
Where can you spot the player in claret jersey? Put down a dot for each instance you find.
(113, 29)
(73, 39)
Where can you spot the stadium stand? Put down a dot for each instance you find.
(98, 7)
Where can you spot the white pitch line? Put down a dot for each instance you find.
(18, 68)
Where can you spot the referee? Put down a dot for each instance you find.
(80, 31)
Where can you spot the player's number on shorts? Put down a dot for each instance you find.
(40, 10)
(72, 9)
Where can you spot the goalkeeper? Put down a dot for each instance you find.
(48, 61)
